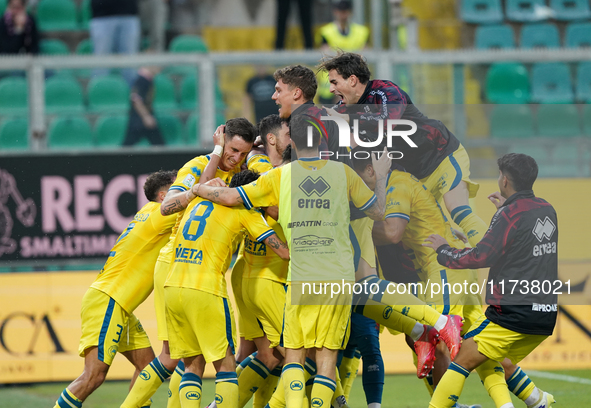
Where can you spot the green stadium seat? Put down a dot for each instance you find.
(84, 14)
(191, 129)
(164, 93)
(482, 11)
(188, 92)
(541, 154)
(507, 83)
(551, 83)
(108, 93)
(63, 94)
(578, 35)
(3, 6)
(109, 131)
(526, 11)
(495, 36)
(587, 120)
(540, 36)
(558, 121)
(171, 128)
(69, 133)
(14, 100)
(583, 85)
(511, 121)
(57, 15)
(53, 47)
(84, 47)
(568, 10)
(14, 134)
(188, 43)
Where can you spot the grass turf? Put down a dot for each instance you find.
(400, 391)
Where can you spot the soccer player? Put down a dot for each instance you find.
(233, 141)
(108, 323)
(311, 325)
(521, 244)
(439, 161)
(199, 317)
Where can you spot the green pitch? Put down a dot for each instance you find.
(571, 389)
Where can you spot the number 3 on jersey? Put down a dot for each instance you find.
(201, 219)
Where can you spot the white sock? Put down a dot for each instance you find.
(441, 322)
(374, 405)
(415, 334)
(534, 397)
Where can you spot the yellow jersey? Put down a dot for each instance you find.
(259, 163)
(313, 197)
(186, 177)
(128, 274)
(208, 235)
(409, 199)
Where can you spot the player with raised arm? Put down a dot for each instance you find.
(229, 153)
(108, 323)
(199, 317)
(514, 324)
(439, 160)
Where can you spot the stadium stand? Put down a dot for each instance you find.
(164, 93)
(539, 36)
(507, 83)
(109, 93)
(482, 11)
(63, 94)
(511, 121)
(69, 133)
(187, 43)
(14, 134)
(14, 101)
(551, 83)
(558, 121)
(57, 15)
(109, 131)
(526, 11)
(578, 35)
(53, 47)
(569, 10)
(171, 129)
(495, 36)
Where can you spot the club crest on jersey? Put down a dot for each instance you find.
(544, 229)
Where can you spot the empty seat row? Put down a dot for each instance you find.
(550, 82)
(532, 36)
(555, 121)
(63, 94)
(491, 11)
(565, 160)
(109, 131)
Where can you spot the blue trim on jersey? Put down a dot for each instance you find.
(458, 178)
(372, 200)
(228, 326)
(459, 369)
(112, 254)
(244, 197)
(446, 302)
(388, 178)
(477, 330)
(104, 329)
(310, 158)
(208, 157)
(343, 344)
(399, 215)
(258, 367)
(460, 217)
(265, 235)
(179, 188)
(356, 247)
(458, 210)
(283, 320)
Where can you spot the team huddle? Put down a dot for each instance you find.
(302, 210)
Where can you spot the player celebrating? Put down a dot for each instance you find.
(199, 318)
(514, 324)
(108, 323)
(439, 161)
(234, 141)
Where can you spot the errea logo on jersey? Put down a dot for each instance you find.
(318, 185)
(544, 229)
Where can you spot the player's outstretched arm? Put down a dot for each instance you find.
(176, 201)
(220, 195)
(278, 246)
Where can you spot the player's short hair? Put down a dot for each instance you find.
(299, 76)
(361, 161)
(157, 181)
(347, 64)
(241, 127)
(298, 130)
(520, 169)
(244, 177)
(269, 124)
(286, 157)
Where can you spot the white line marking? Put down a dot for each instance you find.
(560, 377)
